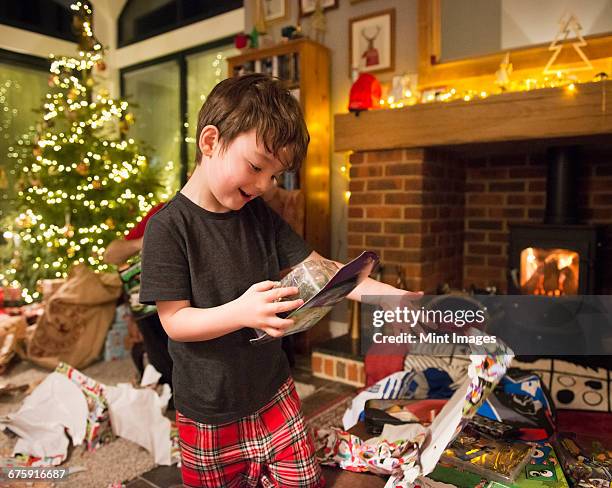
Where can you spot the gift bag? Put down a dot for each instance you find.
(12, 330)
(76, 320)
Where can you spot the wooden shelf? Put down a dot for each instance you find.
(537, 114)
(312, 72)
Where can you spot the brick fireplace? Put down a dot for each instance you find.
(437, 188)
(443, 215)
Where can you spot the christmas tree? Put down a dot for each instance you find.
(79, 180)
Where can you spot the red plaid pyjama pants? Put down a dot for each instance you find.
(270, 448)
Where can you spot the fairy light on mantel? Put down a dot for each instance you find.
(80, 178)
(561, 79)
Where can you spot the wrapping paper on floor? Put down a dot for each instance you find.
(136, 415)
(405, 452)
(99, 430)
(55, 406)
(70, 403)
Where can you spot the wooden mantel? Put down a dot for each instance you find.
(536, 114)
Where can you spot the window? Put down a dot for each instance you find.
(141, 19)
(43, 16)
(153, 94)
(165, 96)
(204, 71)
(23, 85)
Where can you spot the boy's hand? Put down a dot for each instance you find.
(260, 304)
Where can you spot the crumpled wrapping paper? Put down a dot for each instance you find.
(56, 405)
(69, 401)
(136, 415)
(405, 452)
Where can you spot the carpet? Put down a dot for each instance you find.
(304, 390)
(127, 459)
(329, 415)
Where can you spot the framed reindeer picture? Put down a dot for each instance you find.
(372, 42)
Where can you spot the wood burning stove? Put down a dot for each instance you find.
(558, 256)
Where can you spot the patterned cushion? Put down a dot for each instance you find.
(573, 386)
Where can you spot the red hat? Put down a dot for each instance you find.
(365, 93)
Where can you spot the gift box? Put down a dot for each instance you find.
(116, 345)
(10, 296)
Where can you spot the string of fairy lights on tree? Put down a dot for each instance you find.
(79, 178)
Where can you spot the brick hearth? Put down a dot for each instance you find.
(443, 216)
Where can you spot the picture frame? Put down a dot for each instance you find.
(307, 7)
(372, 42)
(275, 10)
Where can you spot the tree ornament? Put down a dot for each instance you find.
(124, 126)
(96, 184)
(110, 222)
(568, 23)
(318, 22)
(17, 263)
(104, 93)
(89, 82)
(37, 151)
(502, 75)
(101, 65)
(69, 232)
(70, 252)
(3, 179)
(129, 118)
(82, 169)
(24, 222)
(73, 94)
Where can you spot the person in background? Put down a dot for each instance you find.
(150, 328)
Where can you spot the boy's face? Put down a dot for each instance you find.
(244, 171)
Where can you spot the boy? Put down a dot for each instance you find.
(210, 260)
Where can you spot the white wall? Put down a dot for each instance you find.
(525, 22)
(24, 42)
(208, 30)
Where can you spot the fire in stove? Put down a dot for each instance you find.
(550, 272)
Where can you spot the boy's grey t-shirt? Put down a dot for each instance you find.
(210, 259)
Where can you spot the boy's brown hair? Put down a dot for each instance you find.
(259, 102)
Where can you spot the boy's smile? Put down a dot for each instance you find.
(228, 178)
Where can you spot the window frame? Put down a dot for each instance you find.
(181, 58)
(181, 22)
(43, 29)
(25, 60)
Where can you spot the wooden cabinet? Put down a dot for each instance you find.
(303, 66)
